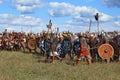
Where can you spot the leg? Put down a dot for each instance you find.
(89, 59)
(78, 60)
(70, 55)
(47, 56)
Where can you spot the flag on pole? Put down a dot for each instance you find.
(96, 17)
(50, 23)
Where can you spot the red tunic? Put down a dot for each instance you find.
(83, 51)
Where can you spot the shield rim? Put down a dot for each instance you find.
(108, 45)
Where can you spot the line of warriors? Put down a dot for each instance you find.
(52, 45)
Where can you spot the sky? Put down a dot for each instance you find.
(67, 15)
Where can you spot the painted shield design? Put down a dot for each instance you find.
(105, 51)
(31, 44)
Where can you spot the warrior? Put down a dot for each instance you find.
(23, 41)
(117, 41)
(47, 46)
(41, 43)
(58, 47)
(0, 41)
(92, 42)
(50, 47)
(41, 46)
(83, 51)
(76, 45)
(66, 46)
(54, 52)
(31, 41)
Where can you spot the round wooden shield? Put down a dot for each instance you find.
(31, 44)
(105, 51)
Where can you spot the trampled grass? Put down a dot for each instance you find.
(21, 66)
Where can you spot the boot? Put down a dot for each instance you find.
(53, 62)
(89, 61)
(77, 62)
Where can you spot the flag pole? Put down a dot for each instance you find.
(90, 25)
(98, 26)
(97, 19)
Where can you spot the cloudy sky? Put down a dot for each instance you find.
(72, 15)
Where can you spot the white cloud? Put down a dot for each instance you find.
(27, 6)
(61, 9)
(117, 23)
(1, 1)
(81, 15)
(7, 20)
(78, 12)
(112, 3)
(19, 20)
(105, 17)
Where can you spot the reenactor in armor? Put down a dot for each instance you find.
(83, 51)
(58, 48)
(76, 45)
(50, 47)
(104, 37)
(92, 42)
(66, 46)
(0, 41)
(117, 40)
(41, 46)
(47, 46)
(31, 42)
(119, 44)
(23, 42)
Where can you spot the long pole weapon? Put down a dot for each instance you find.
(97, 18)
(98, 26)
(90, 25)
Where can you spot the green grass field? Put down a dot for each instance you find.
(21, 66)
